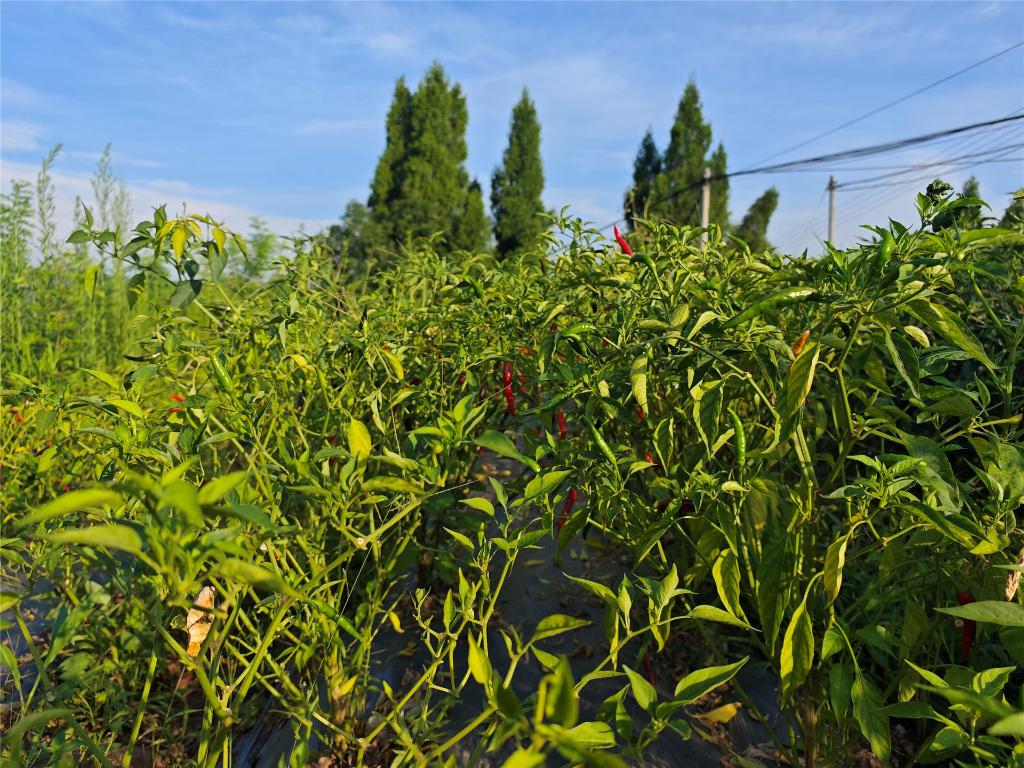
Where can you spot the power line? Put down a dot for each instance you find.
(868, 151)
(893, 103)
(980, 156)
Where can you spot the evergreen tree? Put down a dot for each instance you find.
(517, 185)
(677, 192)
(753, 230)
(473, 227)
(1013, 216)
(646, 168)
(421, 186)
(968, 217)
(386, 188)
(719, 213)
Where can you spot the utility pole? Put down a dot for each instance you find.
(831, 209)
(705, 206)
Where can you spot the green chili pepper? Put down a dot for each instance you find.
(781, 299)
(601, 444)
(741, 441)
(578, 329)
(884, 250)
(219, 372)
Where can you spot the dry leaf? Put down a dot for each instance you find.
(198, 622)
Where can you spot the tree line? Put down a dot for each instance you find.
(421, 187)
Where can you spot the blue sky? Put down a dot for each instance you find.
(279, 109)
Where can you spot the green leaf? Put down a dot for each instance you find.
(712, 613)
(127, 406)
(990, 612)
(496, 442)
(1011, 725)
(392, 484)
(835, 557)
(78, 237)
(951, 327)
(797, 387)
(563, 704)
(772, 598)
(461, 538)
(726, 572)
(106, 378)
(797, 654)
(597, 589)
(871, 717)
(480, 504)
(72, 502)
(643, 691)
(111, 536)
(545, 483)
(35, 721)
(593, 735)
(556, 624)
(638, 381)
(219, 487)
(479, 665)
(359, 443)
(703, 681)
(233, 569)
(522, 758)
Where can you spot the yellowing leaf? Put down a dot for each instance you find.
(359, 443)
(722, 714)
(200, 619)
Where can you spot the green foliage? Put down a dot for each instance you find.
(421, 187)
(668, 186)
(753, 230)
(517, 185)
(287, 477)
(646, 168)
(719, 212)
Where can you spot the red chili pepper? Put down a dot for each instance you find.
(563, 428)
(506, 380)
(640, 415)
(799, 346)
(178, 398)
(649, 457)
(970, 628)
(175, 409)
(462, 378)
(622, 243)
(65, 488)
(331, 439)
(552, 328)
(570, 500)
(649, 669)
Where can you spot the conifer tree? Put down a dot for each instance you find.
(1013, 216)
(472, 232)
(719, 213)
(386, 187)
(646, 168)
(753, 230)
(517, 185)
(421, 186)
(675, 195)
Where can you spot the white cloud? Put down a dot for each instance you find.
(117, 158)
(19, 136)
(152, 194)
